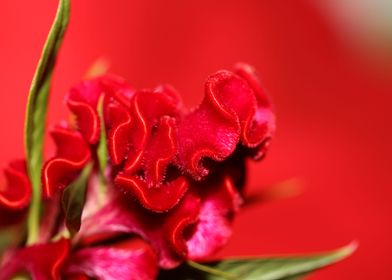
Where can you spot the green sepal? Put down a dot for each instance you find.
(73, 200)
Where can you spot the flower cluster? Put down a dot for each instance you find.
(168, 192)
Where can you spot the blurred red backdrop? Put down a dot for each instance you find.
(332, 104)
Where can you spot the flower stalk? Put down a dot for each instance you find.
(36, 115)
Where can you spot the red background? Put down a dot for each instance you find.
(332, 105)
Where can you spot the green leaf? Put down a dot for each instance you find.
(36, 113)
(271, 268)
(73, 200)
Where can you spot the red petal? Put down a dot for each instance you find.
(119, 129)
(42, 262)
(158, 199)
(133, 129)
(232, 113)
(196, 228)
(17, 193)
(15, 196)
(129, 260)
(160, 151)
(213, 229)
(173, 99)
(150, 188)
(83, 100)
(117, 89)
(163, 231)
(149, 106)
(147, 109)
(151, 142)
(73, 153)
(260, 128)
(217, 128)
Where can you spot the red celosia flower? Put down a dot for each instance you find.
(185, 169)
(150, 184)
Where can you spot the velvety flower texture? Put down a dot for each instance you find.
(173, 183)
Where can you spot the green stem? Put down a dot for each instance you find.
(36, 115)
(33, 217)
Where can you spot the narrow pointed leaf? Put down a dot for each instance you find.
(73, 200)
(36, 112)
(271, 268)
